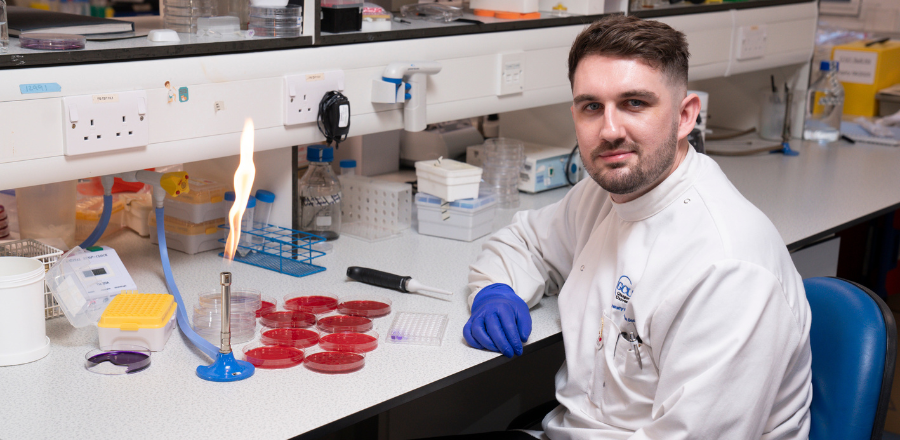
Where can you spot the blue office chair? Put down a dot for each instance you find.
(854, 347)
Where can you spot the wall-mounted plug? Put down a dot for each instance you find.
(304, 92)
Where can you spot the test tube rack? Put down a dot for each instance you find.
(280, 249)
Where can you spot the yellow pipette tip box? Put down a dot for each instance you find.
(145, 319)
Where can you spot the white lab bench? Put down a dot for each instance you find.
(825, 189)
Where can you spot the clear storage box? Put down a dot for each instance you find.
(187, 237)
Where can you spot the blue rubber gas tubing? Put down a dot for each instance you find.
(205, 346)
(101, 225)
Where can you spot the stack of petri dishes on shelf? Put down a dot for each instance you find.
(503, 162)
(244, 305)
(182, 15)
(286, 21)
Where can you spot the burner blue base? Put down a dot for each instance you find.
(226, 369)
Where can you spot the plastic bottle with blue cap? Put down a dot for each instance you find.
(264, 200)
(320, 195)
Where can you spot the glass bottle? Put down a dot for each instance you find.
(824, 106)
(320, 195)
(4, 32)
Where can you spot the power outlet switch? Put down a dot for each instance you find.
(512, 73)
(105, 122)
(751, 42)
(304, 92)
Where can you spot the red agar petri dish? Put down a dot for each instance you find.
(288, 320)
(289, 337)
(265, 307)
(334, 362)
(369, 308)
(316, 303)
(273, 356)
(341, 323)
(351, 342)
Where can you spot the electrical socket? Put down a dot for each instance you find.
(105, 122)
(512, 73)
(304, 92)
(751, 42)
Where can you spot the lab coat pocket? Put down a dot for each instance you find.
(629, 386)
(598, 373)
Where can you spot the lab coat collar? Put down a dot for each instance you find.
(664, 194)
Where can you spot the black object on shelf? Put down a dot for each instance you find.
(341, 18)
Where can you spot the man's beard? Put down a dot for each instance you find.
(647, 170)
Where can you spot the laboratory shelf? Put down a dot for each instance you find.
(426, 29)
(684, 8)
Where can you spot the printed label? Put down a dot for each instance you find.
(322, 200)
(109, 97)
(856, 67)
(345, 115)
(27, 89)
(315, 77)
(324, 220)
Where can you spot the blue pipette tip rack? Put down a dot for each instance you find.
(226, 369)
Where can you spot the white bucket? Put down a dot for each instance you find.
(23, 332)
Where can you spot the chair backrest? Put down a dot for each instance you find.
(854, 341)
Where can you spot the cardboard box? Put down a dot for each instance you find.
(863, 71)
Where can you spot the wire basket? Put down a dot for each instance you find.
(30, 248)
(279, 249)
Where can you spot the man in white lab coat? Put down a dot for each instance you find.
(682, 314)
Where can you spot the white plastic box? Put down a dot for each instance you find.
(144, 319)
(373, 209)
(448, 179)
(464, 220)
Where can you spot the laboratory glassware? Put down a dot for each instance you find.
(4, 29)
(320, 195)
(824, 106)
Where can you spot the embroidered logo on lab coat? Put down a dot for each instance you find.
(624, 290)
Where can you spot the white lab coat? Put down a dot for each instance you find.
(703, 278)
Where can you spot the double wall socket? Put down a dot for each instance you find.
(304, 92)
(751, 42)
(512, 73)
(105, 122)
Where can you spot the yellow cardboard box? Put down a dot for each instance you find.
(863, 71)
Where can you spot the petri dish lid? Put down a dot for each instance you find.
(288, 319)
(240, 299)
(117, 359)
(46, 41)
(343, 323)
(350, 342)
(334, 362)
(272, 356)
(276, 12)
(267, 305)
(289, 337)
(370, 306)
(311, 302)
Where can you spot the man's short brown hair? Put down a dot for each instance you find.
(653, 42)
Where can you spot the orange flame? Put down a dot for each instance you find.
(243, 183)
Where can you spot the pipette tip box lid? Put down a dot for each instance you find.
(417, 328)
(448, 179)
(143, 319)
(369, 306)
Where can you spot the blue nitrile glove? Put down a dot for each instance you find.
(500, 321)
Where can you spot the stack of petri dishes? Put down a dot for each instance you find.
(503, 162)
(182, 15)
(208, 318)
(286, 21)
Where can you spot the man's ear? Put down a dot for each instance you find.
(687, 118)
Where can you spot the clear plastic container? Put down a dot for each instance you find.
(503, 161)
(182, 15)
(241, 300)
(214, 336)
(276, 12)
(204, 202)
(87, 214)
(320, 195)
(264, 200)
(4, 29)
(418, 328)
(47, 211)
(187, 228)
(348, 167)
(824, 106)
(314, 302)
